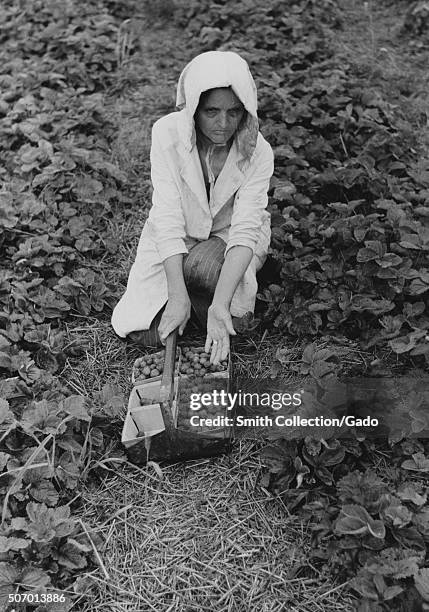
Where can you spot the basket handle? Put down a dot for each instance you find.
(167, 381)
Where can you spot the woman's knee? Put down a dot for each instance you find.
(202, 265)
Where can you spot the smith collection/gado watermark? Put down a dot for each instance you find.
(283, 421)
(274, 401)
(364, 406)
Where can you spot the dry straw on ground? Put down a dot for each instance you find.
(203, 537)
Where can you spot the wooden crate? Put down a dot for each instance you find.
(144, 415)
(211, 381)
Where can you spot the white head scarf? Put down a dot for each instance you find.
(218, 69)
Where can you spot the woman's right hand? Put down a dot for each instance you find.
(176, 314)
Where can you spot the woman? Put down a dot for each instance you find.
(207, 232)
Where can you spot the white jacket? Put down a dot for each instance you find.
(181, 214)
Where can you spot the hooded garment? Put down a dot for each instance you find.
(182, 214)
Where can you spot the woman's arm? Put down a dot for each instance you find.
(166, 220)
(178, 309)
(251, 200)
(219, 317)
(167, 224)
(236, 262)
(173, 267)
(244, 232)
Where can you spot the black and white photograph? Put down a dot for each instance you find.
(214, 306)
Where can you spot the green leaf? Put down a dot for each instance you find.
(324, 475)
(421, 349)
(389, 260)
(364, 585)
(392, 591)
(69, 556)
(417, 287)
(61, 606)
(75, 406)
(406, 343)
(421, 582)
(324, 354)
(84, 548)
(419, 463)
(40, 531)
(332, 456)
(410, 241)
(423, 211)
(19, 523)
(4, 458)
(320, 369)
(421, 522)
(393, 563)
(69, 443)
(68, 470)
(56, 515)
(409, 537)
(42, 416)
(355, 520)
(360, 303)
(312, 446)
(8, 577)
(5, 361)
(408, 492)
(45, 492)
(96, 437)
(48, 523)
(308, 352)
(6, 415)
(33, 578)
(11, 543)
(365, 254)
(265, 480)
(379, 583)
(8, 218)
(36, 474)
(397, 515)
(351, 521)
(365, 489)
(275, 459)
(377, 529)
(86, 188)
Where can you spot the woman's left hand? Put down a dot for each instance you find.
(219, 327)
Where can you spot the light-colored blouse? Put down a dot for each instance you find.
(183, 214)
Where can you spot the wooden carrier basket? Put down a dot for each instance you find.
(158, 426)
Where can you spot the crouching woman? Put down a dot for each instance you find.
(207, 233)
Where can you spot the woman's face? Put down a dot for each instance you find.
(219, 114)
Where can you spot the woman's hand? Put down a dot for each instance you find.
(219, 322)
(219, 327)
(176, 314)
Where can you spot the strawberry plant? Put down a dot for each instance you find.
(42, 455)
(58, 190)
(371, 530)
